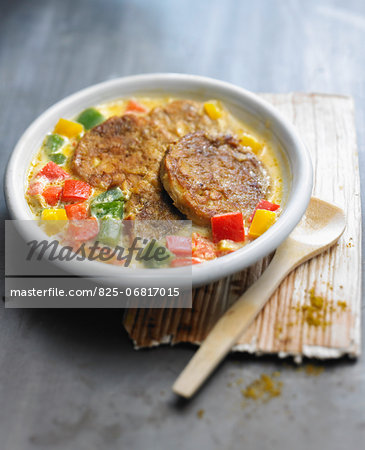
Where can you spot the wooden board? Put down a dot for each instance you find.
(316, 310)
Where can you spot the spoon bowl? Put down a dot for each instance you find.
(322, 224)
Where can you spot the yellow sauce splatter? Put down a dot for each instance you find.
(264, 388)
(200, 413)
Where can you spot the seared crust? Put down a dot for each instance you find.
(126, 151)
(121, 151)
(206, 176)
(180, 117)
(150, 201)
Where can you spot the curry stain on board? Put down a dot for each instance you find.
(315, 312)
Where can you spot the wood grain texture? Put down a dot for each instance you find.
(286, 326)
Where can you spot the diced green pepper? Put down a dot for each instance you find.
(111, 210)
(90, 117)
(109, 232)
(53, 142)
(109, 196)
(108, 205)
(58, 158)
(156, 255)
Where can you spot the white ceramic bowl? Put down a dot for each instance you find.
(297, 175)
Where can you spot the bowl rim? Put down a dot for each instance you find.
(209, 271)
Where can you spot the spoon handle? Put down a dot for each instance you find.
(232, 325)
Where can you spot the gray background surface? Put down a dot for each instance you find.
(70, 379)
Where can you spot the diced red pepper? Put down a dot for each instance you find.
(133, 105)
(36, 187)
(181, 262)
(83, 230)
(179, 245)
(53, 172)
(75, 190)
(52, 194)
(264, 204)
(203, 248)
(228, 226)
(77, 211)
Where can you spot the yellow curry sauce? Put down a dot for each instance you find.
(71, 132)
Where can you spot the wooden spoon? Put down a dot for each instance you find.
(319, 229)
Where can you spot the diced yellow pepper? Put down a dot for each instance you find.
(54, 214)
(261, 222)
(249, 141)
(227, 246)
(212, 109)
(53, 220)
(68, 128)
(67, 151)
